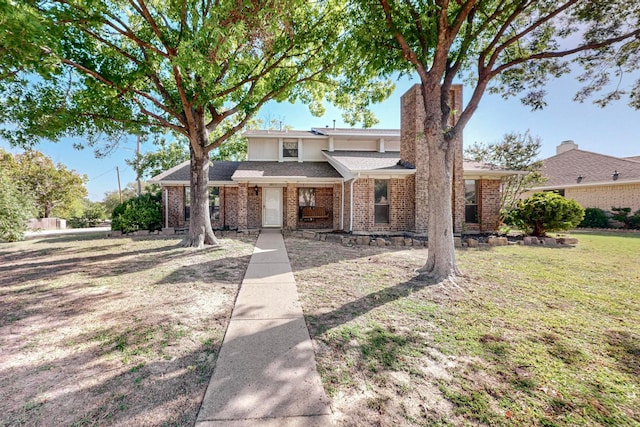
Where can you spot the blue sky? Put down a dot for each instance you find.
(613, 130)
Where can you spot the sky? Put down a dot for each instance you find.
(614, 130)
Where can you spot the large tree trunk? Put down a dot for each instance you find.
(200, 231)
(441, 260)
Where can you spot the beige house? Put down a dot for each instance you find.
(363, 181)
(591, 179)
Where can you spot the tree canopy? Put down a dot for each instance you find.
(200, 69)
(54, 188)
(518, 152)
(508, 47)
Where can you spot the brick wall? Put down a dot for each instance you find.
(229, 206)
(347, 206)
(489, 204)
(175, 200)
(254, 208)
(400, 206)
(242, 206)
(606, 196)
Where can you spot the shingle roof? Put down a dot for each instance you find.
(251, 169)
(564, 168)
(634, 158)
(219, 171)
(367, 160)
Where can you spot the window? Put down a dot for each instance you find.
(214, 203)
(306, 197)
(290, 149)
(471, 201)
(187, 203)
(381, 198)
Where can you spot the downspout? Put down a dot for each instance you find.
(351, 203)
(166, 207)
(342, 206)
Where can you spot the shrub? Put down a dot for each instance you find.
(138, 213)
(594, 218)
(93, 214)
(16, 208)
(547, 211)
(624, 216)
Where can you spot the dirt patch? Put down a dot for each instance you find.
(98, 331)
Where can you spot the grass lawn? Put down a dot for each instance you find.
(531, 336)
(97, 331)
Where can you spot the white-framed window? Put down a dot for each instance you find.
(471, 201)
(290, 149)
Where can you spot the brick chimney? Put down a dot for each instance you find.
(413, 150)
(566, 146)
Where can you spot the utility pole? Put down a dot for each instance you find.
(138, 167)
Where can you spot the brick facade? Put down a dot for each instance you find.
(606, 196)
(489, 204)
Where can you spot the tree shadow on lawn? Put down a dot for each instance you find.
(64, 391)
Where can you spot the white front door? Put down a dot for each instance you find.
(272, 207)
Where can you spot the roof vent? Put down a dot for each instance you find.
(566, 146)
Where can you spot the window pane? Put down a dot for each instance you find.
(381, 192)
(382, 214)
(187, 203)
(470, 193)
(381, 197)
(289, 149)
(306, 196)
(214, 203)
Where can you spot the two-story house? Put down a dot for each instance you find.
(365, 181)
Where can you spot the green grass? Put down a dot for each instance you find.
(531, 336)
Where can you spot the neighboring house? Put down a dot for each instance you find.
(355, 180)
(591, 179)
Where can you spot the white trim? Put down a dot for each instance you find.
(166, 207)
(300, 151)
(342, 207)
(587, 184)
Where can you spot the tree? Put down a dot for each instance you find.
(150, 164)
(516, 152)
(514, 45)
(547, 211)
(16, 208)
(200, 69)
(112, 198)
(53, 187)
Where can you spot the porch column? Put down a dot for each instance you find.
(242, 206)
(291, 220)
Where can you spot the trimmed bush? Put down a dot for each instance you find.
(594, 218)
(545, 212)
(138, 213)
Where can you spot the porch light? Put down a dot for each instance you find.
(615, 175)
(579, 180)
(256, 189)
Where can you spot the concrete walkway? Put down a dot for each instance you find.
(266, 372)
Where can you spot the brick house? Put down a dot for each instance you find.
(591, 179)
(364, 181)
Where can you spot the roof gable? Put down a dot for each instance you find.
(565, 168)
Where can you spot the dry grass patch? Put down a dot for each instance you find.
(530, 336)
(98, 331)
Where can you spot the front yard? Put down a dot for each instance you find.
(98, 331)
(532, 336)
